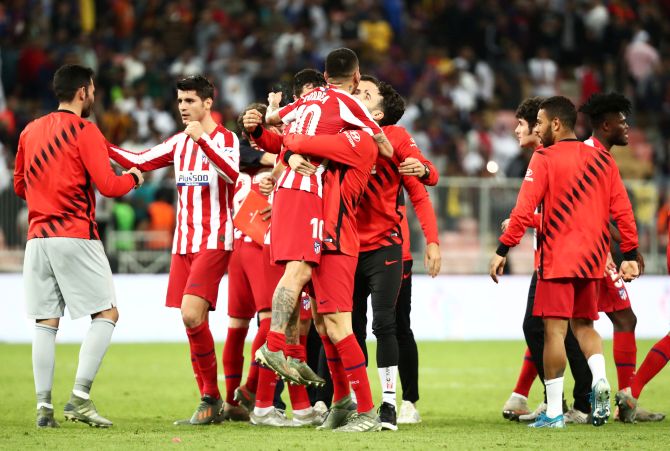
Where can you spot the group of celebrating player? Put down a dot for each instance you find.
(331, 164)
(329, 169)
(577, 189)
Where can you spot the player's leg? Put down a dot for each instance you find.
(653, 363)
(296, 340)
(623, 344)
(233, 364)
(581, 373)
(199, 297)
(359, 314)
(584, 313)
(385, 279)
(43, 300)
(246, 394)
(85, 279)
(533, 329)
(408, 363)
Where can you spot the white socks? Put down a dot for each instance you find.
(597, 365)
(44, 360)
(388, 377)
(516, 395)
(92, 351)
(554, 388)
(262, 411)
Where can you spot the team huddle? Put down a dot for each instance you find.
(326, 174)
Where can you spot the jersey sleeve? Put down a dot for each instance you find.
(94, 155)
(223, 153)
(354, 113)
(405, 147)
(267, 140)
(157, 157)
(350, 147)
(423, 208)
(532, 192)
(19, 171)
(622, 212)
(288, 113)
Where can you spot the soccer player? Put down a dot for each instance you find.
(607, 115)
(206, 162)
(516, 407)
(60, 156)
(579, 188)
(379, 269)
(297, 209)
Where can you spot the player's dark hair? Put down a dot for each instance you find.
(528, 109)
(392, 103)
(261, 107)
(600, 105)
(341, 63)
(69, 78)
(306, 77)
(562, 108)
(202, 87)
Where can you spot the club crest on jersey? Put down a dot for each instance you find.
(353, 136)
(529, 175)
(193, 178)
(317, 247)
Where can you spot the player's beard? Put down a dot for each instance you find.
(547, 138)
(88, 104)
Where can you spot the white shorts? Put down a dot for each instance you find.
(72, 272)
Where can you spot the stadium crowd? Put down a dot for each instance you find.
(462, 66)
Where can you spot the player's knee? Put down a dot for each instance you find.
(191, 318)
(298, 273)
(112, 315)
(625, 321)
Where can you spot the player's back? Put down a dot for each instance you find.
(58, 190)
(576, 209)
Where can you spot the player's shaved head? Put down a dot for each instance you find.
(307, 77)
(391, 104)
(600, 105)
(561, 108)
(341, 63)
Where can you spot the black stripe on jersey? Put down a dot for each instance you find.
(45, 157)
(89, 207)
(52, 227)
(58, 143)
(51, 149)
(342, 211)
(384, 170)
(66, 139)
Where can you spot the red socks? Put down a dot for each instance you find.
(337, 374)
(265, 392)
(233, 361)
(527, 375)
(196, 372)
(654, 362)
(202, 346)
(259, 339)
(298, 393)
(353, 362)
(276, 341)
(625, 357)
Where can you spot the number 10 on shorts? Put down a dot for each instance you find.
(317, 228)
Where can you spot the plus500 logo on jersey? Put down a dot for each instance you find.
(193, 178)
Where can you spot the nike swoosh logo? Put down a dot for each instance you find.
(389, 263)
(323, 302)
(406, 276)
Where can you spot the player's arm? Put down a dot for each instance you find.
(93, 152)
(223, 153)
(19, 178)
(350, 148)
(156, 157)
(266, 140)
(273, 115)
(622, 212)
(413, 162)
(426, 215)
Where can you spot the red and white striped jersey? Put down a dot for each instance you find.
(248, 181)
(204, 171)
(322, 111)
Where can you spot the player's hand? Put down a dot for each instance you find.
(504, 225)
(496, 267)
(266, 212)
(640, 263)
(629, 270)
(274, 99)
(301, 166)
(194, 130)
(252, 119)
(412, 166)
(138, 173)
(432, 259)
(266, 185)
(609, 263)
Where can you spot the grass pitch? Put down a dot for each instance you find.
(463, 385)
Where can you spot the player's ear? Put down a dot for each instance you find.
(208, 103)
(377, 115)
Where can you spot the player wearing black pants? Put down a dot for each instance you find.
(533, 330)
(408, 364)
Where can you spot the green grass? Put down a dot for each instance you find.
(144, 387)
